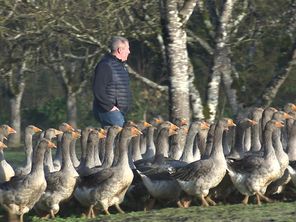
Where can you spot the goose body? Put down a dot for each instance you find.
(6, 170)
(29, 132)
(108, 186)
(198, 177)
(252, 174)
(57, 162)
(20, 194)
(161, 186)
(88, 167)
(60, 184)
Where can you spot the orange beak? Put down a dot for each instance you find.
(158, 121)
(174, 127)
(57, 132)
(173, 132)
(205, 125)
(147, 124)
(11, 130)
(230, 123)
(36, 129)
(51, 144)
(287, 116)
(75, 134)
(69, 127)
(279, 124)
(253, 122)
(136, 132)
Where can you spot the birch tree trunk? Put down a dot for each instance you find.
(175, 20)
(195, 99)
(227, 79)
(221, 60)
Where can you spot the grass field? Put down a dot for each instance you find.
(267, 212)
(278, 211)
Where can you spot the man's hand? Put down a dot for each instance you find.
(114, 109)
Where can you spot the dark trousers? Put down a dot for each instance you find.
(109, 118)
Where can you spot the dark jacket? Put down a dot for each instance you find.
(111, 85)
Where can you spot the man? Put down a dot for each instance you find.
(112, 94)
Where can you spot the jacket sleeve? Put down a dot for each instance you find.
(103, 75)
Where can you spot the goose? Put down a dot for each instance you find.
(255, 113)
(6, 170)
(19, 195)
(278, 116)
(93, 139)
(135, 144)
(108, 187)
(201, 139)
(60, 184)
(266, 116)
(49, 134)
(83, 144)
(252, 174)
(238, 150)
(112, 133)
(227, 141)
(225, 189)
(292, 153)
(161, 186)
(283, 158)
(198, 177)
(97, 162)
(102, 144)
(255, 130)
(188, 156)
(144, 144)
(150, 149)
(73, 155)
(161, 161)
(209, 141)
(177, 143)
(57, 162)
(289, 108)
(29, 132)
(5, 131)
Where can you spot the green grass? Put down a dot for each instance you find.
(279, 211)
(15, 156)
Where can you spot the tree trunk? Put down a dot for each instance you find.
(221, 60)
(177, 57)
(195, 100)
(72, 109)
(230, 90)
(15, 118)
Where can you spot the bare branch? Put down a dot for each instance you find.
(147, 81)
(187, 10)
(72, 56)
(276, 82)
(194, 38)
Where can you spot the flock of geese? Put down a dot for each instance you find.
(159, 161)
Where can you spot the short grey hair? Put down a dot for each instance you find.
(116, 42)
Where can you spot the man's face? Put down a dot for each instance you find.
(123, 51)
